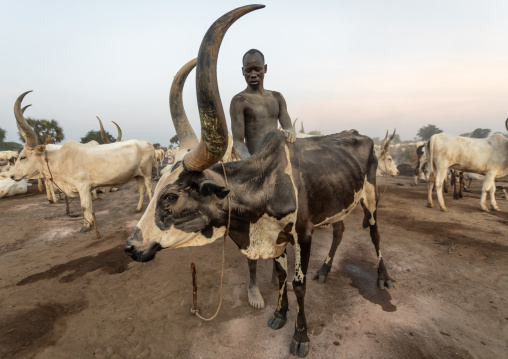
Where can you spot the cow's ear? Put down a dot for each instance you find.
(208, 187)
(39, 150)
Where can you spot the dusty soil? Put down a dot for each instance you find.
(68, 295)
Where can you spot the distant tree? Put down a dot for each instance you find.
(45, 128)
(175, 141)
(8, 146)
(96, 135)
(426, 132)
(315, 133)
(480, 133)
(376, 140)
(156, 145)
(3, 133)
(396, 138)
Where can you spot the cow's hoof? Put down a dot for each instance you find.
(276, 323)
(430, 205)
(85, 229)
(299, 349)
(382, 284)
(494, 208)
(444, 209)
(321, 278)
(485, 209)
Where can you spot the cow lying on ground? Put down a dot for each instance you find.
(9, 187)
(77, 168)
(486, 156)
(274, 198)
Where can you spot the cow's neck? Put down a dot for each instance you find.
(263, 195)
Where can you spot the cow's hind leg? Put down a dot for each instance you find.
(440, 182)
(322, 273)
(368, 202)
(253, 293)
(430, 186)
(279, 317)
(148, 185)
(141, 187)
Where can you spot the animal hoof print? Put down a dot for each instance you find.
(276, 323)
(299, 349)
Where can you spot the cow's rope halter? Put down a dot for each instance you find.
(195, 310)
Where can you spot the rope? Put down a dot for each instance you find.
(195, 309)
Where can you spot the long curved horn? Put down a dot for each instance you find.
(25, 129)
(302, 130)
(184, 131)
(214, 130)
(390, 140)
(294, 123)
(384, 141)
(21, 132)
(119, 137)
(506, 124)
(103, 134)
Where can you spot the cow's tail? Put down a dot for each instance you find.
(431, 157)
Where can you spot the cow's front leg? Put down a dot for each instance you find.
(279, 317)
(489, 185)
(253, 293)
(86, 205)
(300, 345)
(322, 273)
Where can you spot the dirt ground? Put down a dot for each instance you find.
(68, 295)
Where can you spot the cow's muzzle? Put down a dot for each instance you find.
(135, 248)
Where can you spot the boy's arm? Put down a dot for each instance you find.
(238, 127)
(284, 119)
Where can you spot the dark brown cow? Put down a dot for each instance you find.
(273, 198)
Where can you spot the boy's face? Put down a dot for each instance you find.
(254, 70)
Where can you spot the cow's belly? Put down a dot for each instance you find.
(343, 213)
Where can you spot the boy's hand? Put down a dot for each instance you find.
(290, 135)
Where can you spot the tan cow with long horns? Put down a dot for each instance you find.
(386, 165)
(77, 168)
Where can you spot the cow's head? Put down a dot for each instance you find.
(386, 164)
(30, 160)
(189, 206)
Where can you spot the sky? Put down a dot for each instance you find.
(368, 65)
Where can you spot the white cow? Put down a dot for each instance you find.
(486, 156)
(77, 168)
(9, 187)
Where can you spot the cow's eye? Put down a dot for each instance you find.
(23, 157)
(171, 197)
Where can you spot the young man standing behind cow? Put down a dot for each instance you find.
(254, 113)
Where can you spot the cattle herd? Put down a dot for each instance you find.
(263, 203)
